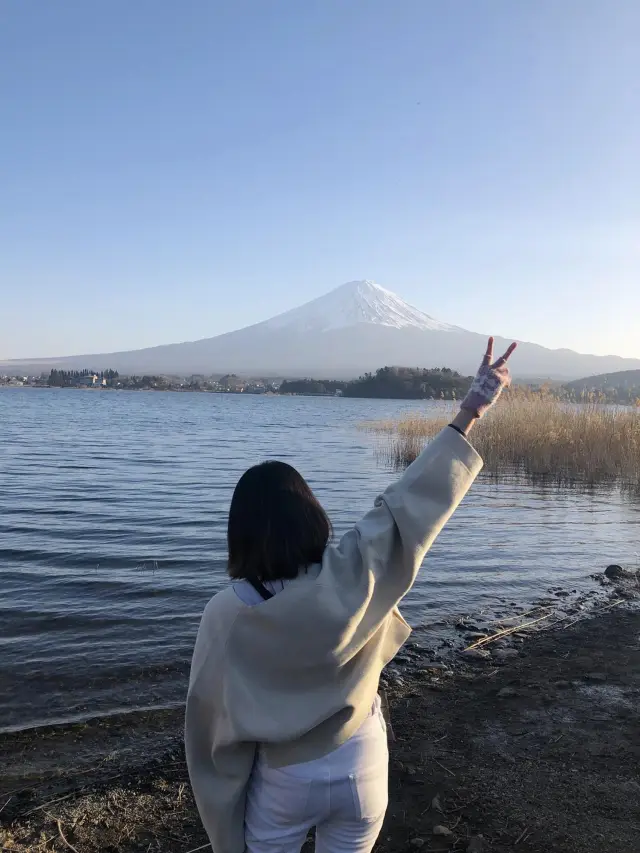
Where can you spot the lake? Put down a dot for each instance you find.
(113, 519)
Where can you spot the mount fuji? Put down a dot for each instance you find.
(357, 327)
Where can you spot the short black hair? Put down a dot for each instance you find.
(276, 524)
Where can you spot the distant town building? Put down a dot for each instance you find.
(231, 382)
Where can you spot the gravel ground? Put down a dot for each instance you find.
(533, 749)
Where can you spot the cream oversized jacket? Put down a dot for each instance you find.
(298, 673)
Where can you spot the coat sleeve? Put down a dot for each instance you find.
(376, 562)
(219, 764)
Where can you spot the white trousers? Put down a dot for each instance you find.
(343, 795)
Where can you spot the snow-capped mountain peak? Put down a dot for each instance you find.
(351, 304)
(355, 328)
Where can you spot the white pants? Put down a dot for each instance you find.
(343, 795)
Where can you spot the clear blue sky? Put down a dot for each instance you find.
(173, 169)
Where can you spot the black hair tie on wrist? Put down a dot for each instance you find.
(457, 429)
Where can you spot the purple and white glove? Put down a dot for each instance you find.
(491, 378)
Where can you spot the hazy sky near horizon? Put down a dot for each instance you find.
(174, 169)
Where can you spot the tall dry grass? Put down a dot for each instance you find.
(538, 436)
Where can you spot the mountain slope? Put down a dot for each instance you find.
(357, 327)
(623, 386)
(623, 380)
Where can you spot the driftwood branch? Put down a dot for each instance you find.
(505, 632)
(582, 617)
(520, 615)
(53, 802)
(62, 836)
(561, 623)
(446, 769)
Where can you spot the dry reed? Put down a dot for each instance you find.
(536, 435)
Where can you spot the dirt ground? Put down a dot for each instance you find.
(533, 749)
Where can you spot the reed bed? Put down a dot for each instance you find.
(536, 435)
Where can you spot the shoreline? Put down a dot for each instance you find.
(535, 742)
(110, 388)
(442, 639)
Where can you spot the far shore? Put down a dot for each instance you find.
(173, 390)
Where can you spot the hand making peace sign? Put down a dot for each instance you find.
(491, 378)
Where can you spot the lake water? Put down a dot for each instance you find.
(112, 533)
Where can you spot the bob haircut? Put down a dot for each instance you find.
(276, 525)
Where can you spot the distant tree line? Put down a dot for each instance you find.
(71, 378)
(614, 396)
(141, 383)
(622, 387)
(410, 383)
(399, 383)
(317, 387)
(395, 383)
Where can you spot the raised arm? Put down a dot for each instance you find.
(380, 557)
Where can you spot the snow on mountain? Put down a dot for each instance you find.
(353, 303)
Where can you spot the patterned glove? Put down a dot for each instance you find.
(491, 378)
